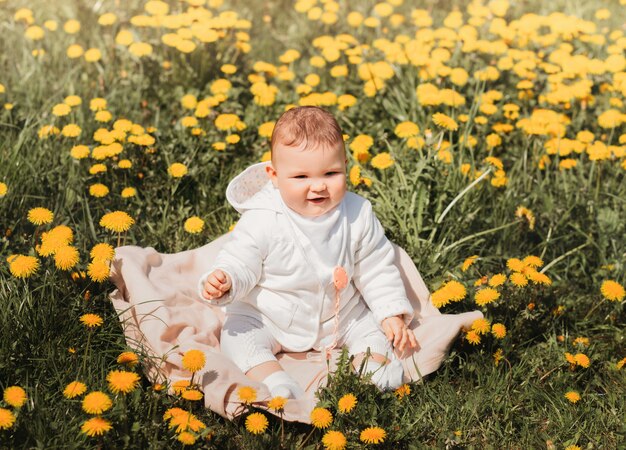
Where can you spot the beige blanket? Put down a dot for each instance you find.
(163, 317)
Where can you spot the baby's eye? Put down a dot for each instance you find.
(300, 177)
(330, 174)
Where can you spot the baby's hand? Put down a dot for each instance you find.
(216, 285)
(398, 333)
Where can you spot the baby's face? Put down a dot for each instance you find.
(310, 181)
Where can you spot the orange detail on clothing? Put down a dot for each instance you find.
(340, 280)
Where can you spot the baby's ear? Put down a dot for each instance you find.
(271, 173)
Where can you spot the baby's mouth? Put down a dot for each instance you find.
(317, 200)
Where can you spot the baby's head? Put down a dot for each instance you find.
(308, 160)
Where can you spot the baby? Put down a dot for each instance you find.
(308, 265)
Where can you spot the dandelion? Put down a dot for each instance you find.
(192, 395)
(497, 356)
(246, 394)
(403, 391)
(3, 189)
(194, 360)
(334, 440)
(66, 257)
(22, 266)
(538, 277)
(347, 403)
(518, 279)
(102, 252)
(468, 263)
(7, 419)
(321, 417)
(128, 358)
(40, 216)
(497, 280)
(277, 403)
(74, 389)
(186, 438)
(117, 221)
(98, 190)
(515, 264)
(96, 402)
(481, 326)
(15, 396)
(582, 360)
(533, 261)
(177, 170)
(485, 296)
(452, 291)
(96, 426)
(473, 337)
(572, 396)
(445, 121)
(612, 291)
(61, 109)
(194, 225)
(256, 423)
(573, 447)
(121, 381)
(619, 364)
(382, 161)
(98, 270)
(498, 330)
(91, 320)
(373, 435)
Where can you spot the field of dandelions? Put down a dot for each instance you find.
(489, 135)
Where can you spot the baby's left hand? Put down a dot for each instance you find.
(398, 334)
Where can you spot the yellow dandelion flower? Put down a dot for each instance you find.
(485, 296)
(515, 264)
(96, 402)
(128, 192)
(619, 364)
(406, 129)
(71, 130)
(74, 389)
(570, 358)
(192, 395)
(277, 403)
(3, 189)
(452, 291)
(518, 279)
(334, 440)
(121, 381)
(612, 291)
(117, 221)
(194, 360)
(40, 216)
(98, 270)
(186, 438)
(180, 386)
(573, 447)
(481, 326)
(7, 419)
(497, 280)
(246, 394)
(102, 252)
(256, 423)
(66, 257)
(98, 190)
(497, 356)
(373, 435)
(498, 330)
(581, 341)
(194, 225)
(382, 161)
(321, 417)
(538, 277)
(403, 391)
(91, 320)
(96, 426)
(533, 261)
(472, 337)
(177, 170)
(22, 266)
(582, 360)
(444, 121)
(468, 263)
(128, 358)
(61, 109)
(346, 403)
(572, 396)
(15, 396)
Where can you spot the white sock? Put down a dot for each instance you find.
(282, 384)
(385, 376)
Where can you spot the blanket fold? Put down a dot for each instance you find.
(163, 317)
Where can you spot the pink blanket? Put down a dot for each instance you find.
(163, 317)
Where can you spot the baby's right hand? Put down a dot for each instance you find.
(216, 285)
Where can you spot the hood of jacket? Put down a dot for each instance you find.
(252, 189)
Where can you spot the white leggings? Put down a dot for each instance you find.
(248, 343)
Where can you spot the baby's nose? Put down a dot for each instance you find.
(318, 186)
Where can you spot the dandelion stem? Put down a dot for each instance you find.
(461, 194)
(594, 307)
(481, 233)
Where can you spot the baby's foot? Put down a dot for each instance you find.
(281, 384)
(386, 376)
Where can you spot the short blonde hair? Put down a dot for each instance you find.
(309, 124)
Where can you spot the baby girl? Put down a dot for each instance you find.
(308, 265)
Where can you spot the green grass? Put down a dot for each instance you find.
(470, 402)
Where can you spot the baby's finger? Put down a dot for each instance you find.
(403, 341)
(412, 339)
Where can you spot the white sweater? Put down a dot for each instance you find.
(281, 264)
